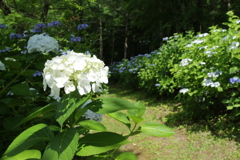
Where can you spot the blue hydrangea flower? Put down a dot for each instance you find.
(75, 39)
(37, 73)
(54, 24)
(64, 52)
(14, 35)
(165, 39)
(40, 26)
(24, 52)
(87, 52)
(5, 50)
(82, 26)
(3, 26)
(36, 31)
(234, 80)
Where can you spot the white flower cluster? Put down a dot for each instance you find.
(185, 62)
(42, 43)
(202, 63)
(90, 114)
(74, 70)
(214, 74)
(183, 90)
(197, 41)
(234, 45)
(202, 35)
(209, 82)
(2, 66)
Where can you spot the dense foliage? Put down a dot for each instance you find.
(63, 122)
(202, 71)
(121, 28)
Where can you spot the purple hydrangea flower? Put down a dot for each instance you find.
(234, 80)
(37, 73)
(14, 35)
(82, 26)
(36, 31)
(54, 24)
(64, 52)
(75, 39)
(3, 26)
(24, 52)
(40, 26)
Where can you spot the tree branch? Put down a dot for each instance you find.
(6, 10)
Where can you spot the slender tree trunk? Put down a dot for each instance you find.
(45, 10)
(126, 40)
(100, 39)
(112, 51)
(6, 10)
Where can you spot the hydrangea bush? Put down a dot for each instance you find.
(63, 122)
(201, 70)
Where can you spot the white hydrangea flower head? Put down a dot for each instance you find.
(183, 90)
(185, 62)
(42, 43)
(74, 70)
(209, 82)
(2, 66)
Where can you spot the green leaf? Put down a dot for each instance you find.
(29, 138)
(62, 147)
(233, 106)
(156, 129)
(121, 117)
(29, 72)
(110, 105)
(92, 125)
(126, 155)
(136, 119)
(11, 123)
(39, 112)
(93, 150)
(101, 139)
(13, 64)
(100, 142)
(64, 109)
(80, 111)
(233, 69)
(220, 89)
(20, 89)
(27, 154)
(67, 106)
(138, 111)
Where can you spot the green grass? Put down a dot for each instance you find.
(191, 142)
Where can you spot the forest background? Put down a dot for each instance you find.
(121, 28)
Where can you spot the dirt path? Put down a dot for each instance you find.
(184, 145)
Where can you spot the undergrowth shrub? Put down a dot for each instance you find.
(201, 70)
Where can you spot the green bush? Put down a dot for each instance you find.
(201, 70)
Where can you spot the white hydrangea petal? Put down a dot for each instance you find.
(69, 87)
(84, 86)
(55, 92)
(2, 66)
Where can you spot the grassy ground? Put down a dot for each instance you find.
(189, 142)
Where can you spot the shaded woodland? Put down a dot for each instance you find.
(124, 28)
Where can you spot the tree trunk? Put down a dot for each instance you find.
(45, 10)
(126, 40)
(100, 39)
(112, 51)
(6, 10)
